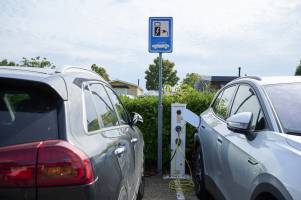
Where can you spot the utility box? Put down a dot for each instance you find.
(177, 141)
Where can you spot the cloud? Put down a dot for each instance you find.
(210, 37)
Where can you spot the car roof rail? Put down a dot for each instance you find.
(251, 77)
(65, 68)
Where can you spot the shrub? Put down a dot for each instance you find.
(146, 106)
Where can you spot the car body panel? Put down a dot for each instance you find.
(139, 157)
(100, 145)
(211, 147)
(230, 167)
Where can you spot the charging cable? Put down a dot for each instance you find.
(178, 143)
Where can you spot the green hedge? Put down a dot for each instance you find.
(147, 107)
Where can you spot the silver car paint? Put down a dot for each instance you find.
(238, 166)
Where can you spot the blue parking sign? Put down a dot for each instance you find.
(160, 35)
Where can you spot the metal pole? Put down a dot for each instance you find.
(160, 118)
(239, 70)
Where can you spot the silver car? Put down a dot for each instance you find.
(248, 146)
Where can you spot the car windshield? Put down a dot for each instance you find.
(286, 99)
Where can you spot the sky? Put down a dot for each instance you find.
(211, 37)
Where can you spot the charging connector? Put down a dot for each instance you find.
(178, 141)
(178, 129)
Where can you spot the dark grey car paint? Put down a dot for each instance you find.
(115, 176)
(111, 170)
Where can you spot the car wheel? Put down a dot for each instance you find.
(198, 174)
(141, 189)
(266, 196)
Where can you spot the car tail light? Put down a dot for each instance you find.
(44, 164)
(60, 163)
(17, 165)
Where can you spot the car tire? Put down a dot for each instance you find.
(198, 174)
(266, 196)
(141, 189)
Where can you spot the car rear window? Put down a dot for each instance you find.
(28, 112)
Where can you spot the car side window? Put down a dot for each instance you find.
(222, 106)
(215, 103)
(91, 115)
(104, 108)
(118, 106)
(247, 101)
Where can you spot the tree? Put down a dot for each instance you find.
(169, 74)
(4, 62)
(101, 71)
(191, 79)
(36, 62)
(298, 70)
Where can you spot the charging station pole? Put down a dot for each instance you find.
(160, 118)
(160, 41)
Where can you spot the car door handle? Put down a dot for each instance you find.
(252, 161)
(120, 150)
(134, 140)
(219, 140)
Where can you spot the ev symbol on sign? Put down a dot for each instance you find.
(157, 28)
(160, 29)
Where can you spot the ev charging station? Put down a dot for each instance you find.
(180, 115)
(177, 141)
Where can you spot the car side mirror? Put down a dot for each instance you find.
(241, 123)
(136, 118)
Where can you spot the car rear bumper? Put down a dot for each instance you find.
(18, 194)
(79, 192)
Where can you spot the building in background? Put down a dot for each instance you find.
(215, 82)
(126, 88)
